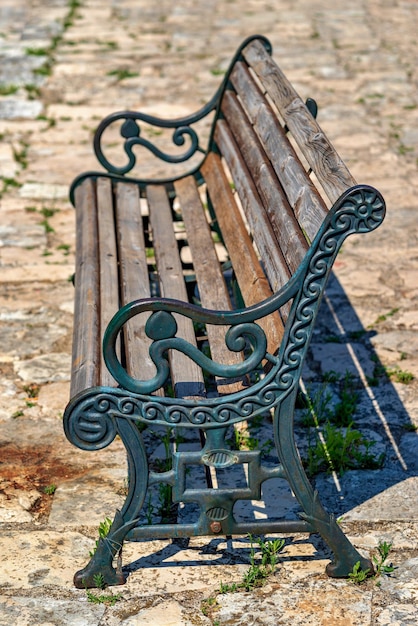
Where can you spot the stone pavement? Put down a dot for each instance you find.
(63, 66)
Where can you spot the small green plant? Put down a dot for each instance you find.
(99, 580)
(411, 428)
(109, 599)
(399, 375)
(258, 572)
(121, 74)
(8, 90)
(64, 248)
(358, 576)
(339, 450)
(384, 316)
(228, 588)
(317, 407)
(104, 528)
(50, 489)
(209, 605)
(346, 407)
(32, 390)
(379, 560)
(37, 52)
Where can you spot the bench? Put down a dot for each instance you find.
(196, 292)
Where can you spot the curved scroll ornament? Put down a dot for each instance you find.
(89, 425)
(131, 132)
(162, 328)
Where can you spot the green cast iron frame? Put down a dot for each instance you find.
(94, 417)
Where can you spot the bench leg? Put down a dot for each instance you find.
(325, 524)
(100, 570)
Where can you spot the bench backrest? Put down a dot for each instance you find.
(270, 175)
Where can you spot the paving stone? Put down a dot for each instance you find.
(27, 611)
(14, 109)
(45, 368)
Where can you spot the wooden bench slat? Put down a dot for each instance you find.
(187, 375)
(319, 152)
(134, 280)
(108, 261)
(308, 206)
(251, 278)
(212, 287)
(275, 265)
(286, 235)
(86, 336)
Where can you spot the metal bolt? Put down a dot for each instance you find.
(216, 527)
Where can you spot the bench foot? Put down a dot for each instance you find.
(99, 572)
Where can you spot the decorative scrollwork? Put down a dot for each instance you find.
(90, 426)
(131, 132)
(360, 210)
(162, 328)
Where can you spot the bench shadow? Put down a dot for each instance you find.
(224, 551)
(340, 344)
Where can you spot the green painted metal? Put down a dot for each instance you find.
(94, 417)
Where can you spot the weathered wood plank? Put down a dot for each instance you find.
(86, 331)
(274, 263)
(322, 157)
(278, 217)
(212, 288)
(251, 278)
(133, 276)
(187, 376)
(308, 206)
(108, 263)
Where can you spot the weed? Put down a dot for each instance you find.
(339, 450)
(317, 407)
(17, 414)
(209, 605)
(45, 69)
(104, 528)
(99, 580)
(64, 248)
(399, 375)
(412, 428)
(358, 575)
(383, 550)
(107, 599)
(228, 588)
(47, 212)
(32, 390)
(258, 573)
(8, 90)
(37, 52)
(50, 489)
(121, 74)
(346, 407)
(217, 72)
(47, 226)
(384, 316)
(242, 440)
